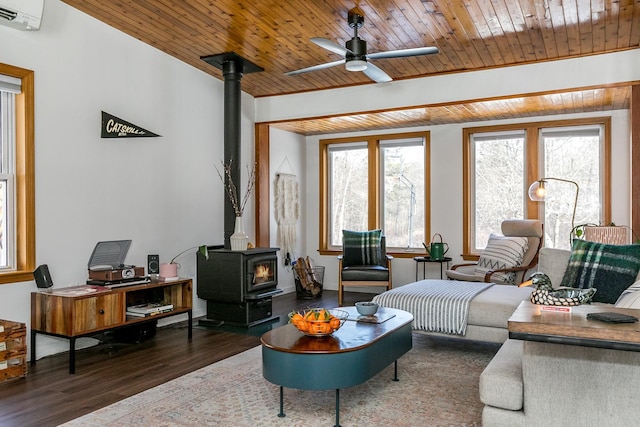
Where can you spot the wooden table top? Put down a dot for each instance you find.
(529, 322)
(351, 336)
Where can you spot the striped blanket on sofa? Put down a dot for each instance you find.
(436, 305)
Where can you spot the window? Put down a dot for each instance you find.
(502, 161)
(498, 162)
(7, 177)
(575, 154)
(17, 212)
(375, 182)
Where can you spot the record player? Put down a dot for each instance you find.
(119, 273)
(107, 262)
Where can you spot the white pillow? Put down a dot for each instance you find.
(502, 252)
(630, 298)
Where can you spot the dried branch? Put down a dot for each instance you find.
(231, 189)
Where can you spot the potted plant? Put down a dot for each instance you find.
(239, 239)
(169, 270)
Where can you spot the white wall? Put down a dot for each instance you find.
(163, 193)
(446, 189)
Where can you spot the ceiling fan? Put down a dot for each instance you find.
(355, 53)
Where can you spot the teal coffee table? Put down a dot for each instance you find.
(352, 355)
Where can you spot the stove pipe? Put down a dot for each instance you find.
(233, 66)
(232, 72)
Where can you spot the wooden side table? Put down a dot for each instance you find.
(529, 323)
(425, 259)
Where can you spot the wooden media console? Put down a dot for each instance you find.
(86, 310)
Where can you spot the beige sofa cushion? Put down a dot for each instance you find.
(501, 381)
(494, 306)
(553, 262)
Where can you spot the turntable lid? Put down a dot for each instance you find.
(111, 253)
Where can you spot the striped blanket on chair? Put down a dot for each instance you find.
(436, 305)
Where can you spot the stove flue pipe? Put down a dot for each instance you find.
(232, 72)
(233, 66)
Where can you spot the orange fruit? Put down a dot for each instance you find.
(335, 323)
(326, 328)
(320, 328)
(303, 325)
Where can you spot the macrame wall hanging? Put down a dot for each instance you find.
(287, 211)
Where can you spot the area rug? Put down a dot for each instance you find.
(438, 387)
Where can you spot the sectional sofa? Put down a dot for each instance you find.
(541, 384)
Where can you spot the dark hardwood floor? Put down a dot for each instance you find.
(112, 371)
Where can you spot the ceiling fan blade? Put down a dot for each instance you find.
(402, 53)
(332, 46)
(315, 68)
(376, 74)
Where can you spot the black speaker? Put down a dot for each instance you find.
(42, 276)
(153, 264)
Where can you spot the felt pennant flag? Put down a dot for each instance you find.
(114, 127)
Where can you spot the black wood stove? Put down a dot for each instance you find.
(238, 285)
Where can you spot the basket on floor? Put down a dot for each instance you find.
(308, 281)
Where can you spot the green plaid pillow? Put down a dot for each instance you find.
(608, 268)
(361, 247)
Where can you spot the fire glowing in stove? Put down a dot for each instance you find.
(262, 274)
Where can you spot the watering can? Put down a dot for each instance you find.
(436, 250)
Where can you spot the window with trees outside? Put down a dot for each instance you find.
(502, 161)
(373, 182)
(17, 195)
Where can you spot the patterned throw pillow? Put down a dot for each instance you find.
(502, 252)
(361, 247)
(608, 268)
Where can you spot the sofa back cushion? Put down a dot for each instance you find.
(553, 262)
(630, 298)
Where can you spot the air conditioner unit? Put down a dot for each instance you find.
(21, 14)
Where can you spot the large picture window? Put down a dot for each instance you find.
(375, 182)
(502, 161)
(17, 194)
(498, 179)
(576, 154)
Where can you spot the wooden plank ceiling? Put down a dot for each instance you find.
(471, 35)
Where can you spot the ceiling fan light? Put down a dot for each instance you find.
(356, 65)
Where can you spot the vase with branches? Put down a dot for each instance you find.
(239, 239)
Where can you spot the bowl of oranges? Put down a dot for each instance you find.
(318, 322)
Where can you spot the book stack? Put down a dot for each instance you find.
(148, 309)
